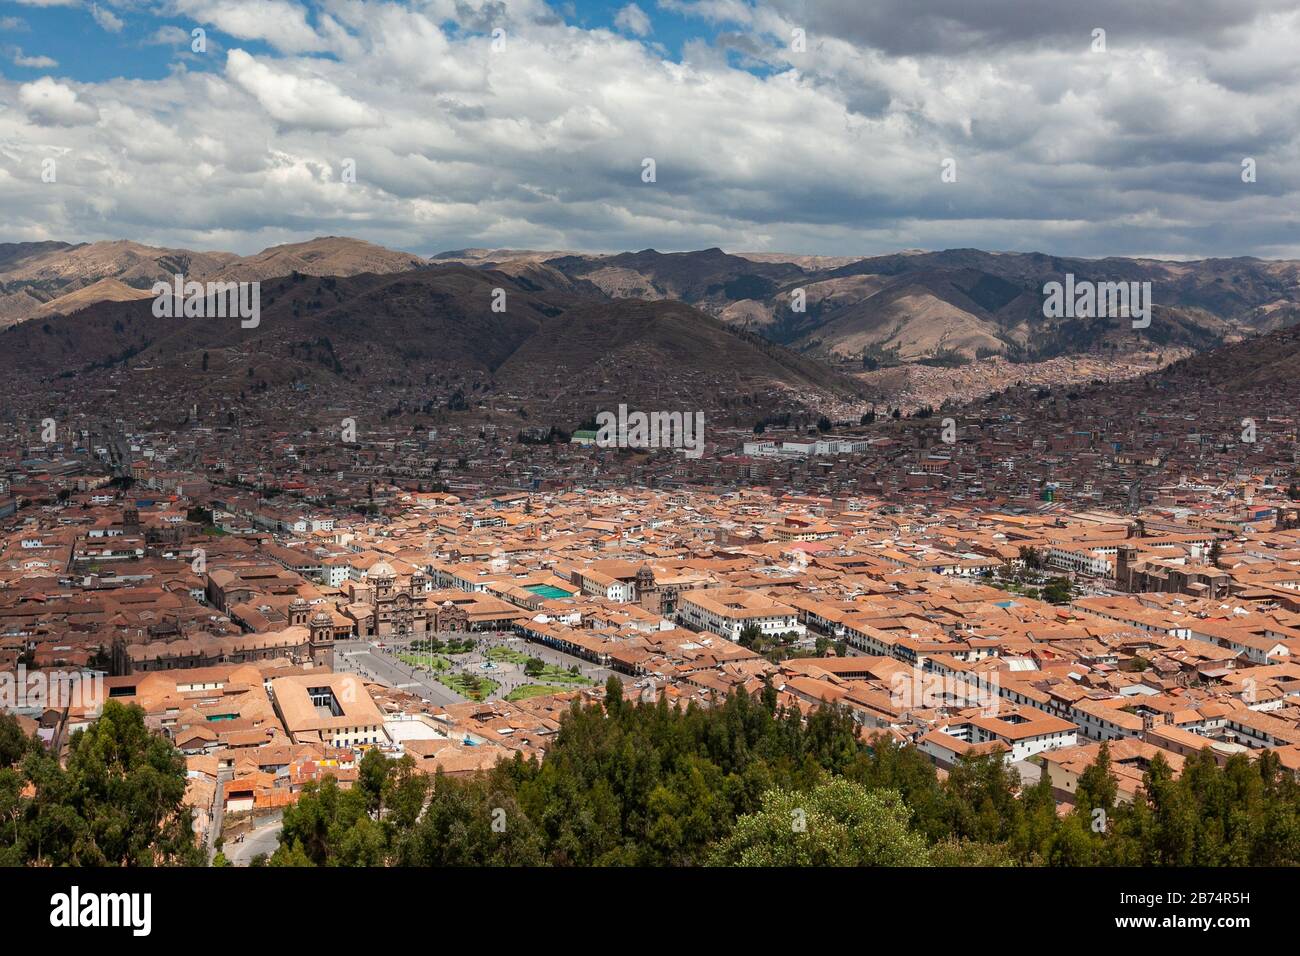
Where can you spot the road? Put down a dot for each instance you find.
(263, 838)
(360, 657)
(218, 812)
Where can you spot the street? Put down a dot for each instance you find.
(367, 661)
(263, 838)
(218, 812)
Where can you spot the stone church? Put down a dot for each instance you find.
(382, 608)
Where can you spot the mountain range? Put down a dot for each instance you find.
(429, 333)
(911, 306)
(963, 303)
(47, 278)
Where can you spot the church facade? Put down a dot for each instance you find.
(385, 609)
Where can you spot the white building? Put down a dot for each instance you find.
(727, 611)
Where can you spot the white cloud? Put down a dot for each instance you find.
(280, 23)
(34, 62)
(52, 103)
(169, 36)
(309, 102)
(834, 150)
(106, 18)
(633, 19)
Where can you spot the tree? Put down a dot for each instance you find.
(953, 853)
(1031, 838)
(1074, 844)
(839, 823)
(626, 782)
(476, 822)
(1173, 824)
(372, 774)
(199, 515)
(1097, 789)
(980, 801)
(315, 828)
(1058, 591)
(14, 744)
(119, 802)
(613, 695)
(405, 788)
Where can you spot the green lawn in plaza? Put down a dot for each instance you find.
(532, 690)
(423, 660)
(471, 686)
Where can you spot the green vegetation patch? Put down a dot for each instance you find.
(472, 686)
(532, 690)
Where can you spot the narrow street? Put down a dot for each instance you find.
(218, 813)
(262, 839)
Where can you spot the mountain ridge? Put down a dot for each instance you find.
(907, 306)
(433, 329)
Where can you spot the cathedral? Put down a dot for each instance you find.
(383, 609)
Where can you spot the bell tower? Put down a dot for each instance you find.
(647, 590)
(322, 640)
(383, 576)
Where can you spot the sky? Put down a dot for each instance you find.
(833, 127)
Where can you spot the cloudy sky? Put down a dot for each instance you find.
(537, 139)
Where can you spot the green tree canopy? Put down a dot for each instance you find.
(839, 823)
(118, 802)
